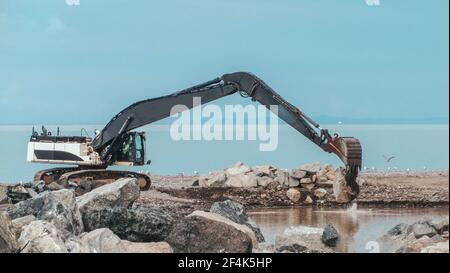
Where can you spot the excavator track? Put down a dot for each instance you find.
(101, 176)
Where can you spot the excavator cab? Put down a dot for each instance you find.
(132, 150)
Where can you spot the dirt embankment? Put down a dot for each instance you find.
(399, 189)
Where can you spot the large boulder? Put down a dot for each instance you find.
(41, 237)
(8, 240)
(121, 193)
(422, 228)
(209, 232)
(307, 243)
(102, 240)
(264, 171)
(440, 247)
(330, 236)
(57, 207)
(440, 226)
(282, 177)
(217, 179)
(19, 223)
(140, 224)
(398, 229)
(237, 213)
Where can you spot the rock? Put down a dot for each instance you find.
(17, 194)
(102, 240)
(306, 243)
(196, 182)
(298, 174)
(440, 247)
(293, 195)
(238, 168)
(54, 186)
(76, 245)
(282, 177)
(341, 191)
(306, 181)
(215, 180)
(209, 232)
(121, 193)
(56, 207)
(264, 181)
(8, 240)
(39, 186)
(242, 180)
(3, 194)
(310, 168)
(18, 224)
(141, 224)
(330, 236)
(398, 229)
(309, 187)
(31, 192)
(238, 214)
(41, 237)
(293, 182)
(309, 200)
(421, 229)
(416, 246)
(440, 226)
(155, 247)
(320, 193)
(264, 171)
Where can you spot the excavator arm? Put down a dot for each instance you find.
(348, 149)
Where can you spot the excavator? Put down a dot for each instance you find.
(118, 144)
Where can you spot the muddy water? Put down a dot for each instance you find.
(360, 228)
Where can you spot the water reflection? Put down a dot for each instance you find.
(357, 227)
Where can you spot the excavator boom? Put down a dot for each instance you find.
(348, 149)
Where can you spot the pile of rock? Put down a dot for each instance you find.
(425, 236)
(107, 219)
(314, 180)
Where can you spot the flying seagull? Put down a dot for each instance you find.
(388, 158)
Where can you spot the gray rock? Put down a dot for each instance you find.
(41, 237)
(422, 228)
(242, 181)
(19, 223)
(121, 193)
(308, 200)
(208, 232)
(293, 182)
(306, 180)
(238, 214)
(102, 240)
(76, 245)
(8, 240)
(17, 194)
(440, 226)
(56, 207)
(398, 229)
(282, 177)
(141, 224)
(330, 236)
(440, 247)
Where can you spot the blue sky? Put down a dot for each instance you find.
(83, 64)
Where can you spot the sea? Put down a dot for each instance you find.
(386, 147)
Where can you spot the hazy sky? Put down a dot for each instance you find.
(83, 64)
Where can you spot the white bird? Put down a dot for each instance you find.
(388, 158)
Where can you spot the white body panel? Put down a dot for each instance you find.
(61, 153)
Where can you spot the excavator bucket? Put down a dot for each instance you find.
(349, 150)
